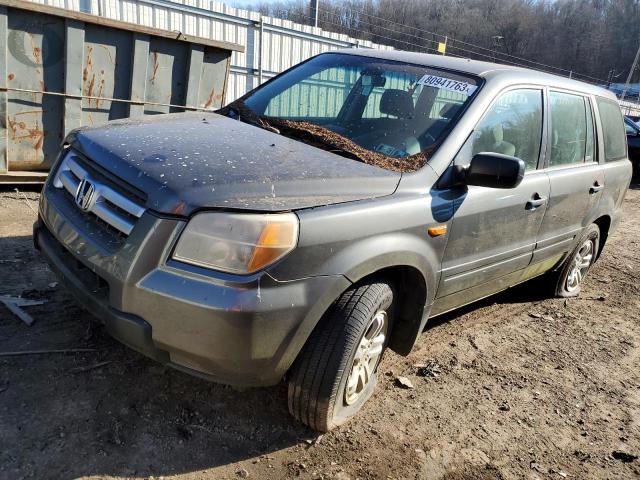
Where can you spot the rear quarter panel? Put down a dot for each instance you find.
(617, 179)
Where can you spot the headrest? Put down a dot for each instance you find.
(498, 133)
(397, 103)
(449, 110)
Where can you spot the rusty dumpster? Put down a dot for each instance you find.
(61, 69)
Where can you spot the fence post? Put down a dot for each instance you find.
(4, 147)
(260, 44)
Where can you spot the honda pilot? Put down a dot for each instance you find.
(328, 214)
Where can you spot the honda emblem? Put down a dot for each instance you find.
(84, 194)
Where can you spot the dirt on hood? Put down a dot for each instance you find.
(326, 139)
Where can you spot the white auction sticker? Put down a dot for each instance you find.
(447, 84)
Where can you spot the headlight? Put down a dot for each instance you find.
(237, 242)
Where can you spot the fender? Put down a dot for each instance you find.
(359, 239)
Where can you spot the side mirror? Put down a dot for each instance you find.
(494, 170)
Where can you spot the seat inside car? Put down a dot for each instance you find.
(399, 131)
(491, 139)
(499, 143)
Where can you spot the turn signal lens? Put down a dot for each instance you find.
(237, 242)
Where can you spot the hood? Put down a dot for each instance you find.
(187, 161)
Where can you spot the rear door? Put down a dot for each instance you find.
(493, 232)
(577, 179)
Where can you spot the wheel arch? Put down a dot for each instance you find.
(604, 223)
(410, 290)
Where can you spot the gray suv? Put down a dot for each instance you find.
(329, 213)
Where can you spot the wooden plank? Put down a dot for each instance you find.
(107, 22)
(30, 178)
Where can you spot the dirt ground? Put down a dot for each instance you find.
(517, 387)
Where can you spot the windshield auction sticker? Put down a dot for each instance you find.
(447, 84)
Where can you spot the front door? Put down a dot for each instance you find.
(577, 179)
(493, 232)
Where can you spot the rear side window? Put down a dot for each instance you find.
(615, 141)
(512, 126)
(571, 140)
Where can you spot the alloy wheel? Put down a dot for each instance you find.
(582, 260)
(366, 358)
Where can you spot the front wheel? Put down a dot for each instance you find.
(335, 374)
(575, 268)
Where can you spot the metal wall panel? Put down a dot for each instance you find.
(271, 44)
(60, 70)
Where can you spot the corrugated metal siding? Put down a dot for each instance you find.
(283, 43)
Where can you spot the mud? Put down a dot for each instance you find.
(519, 386)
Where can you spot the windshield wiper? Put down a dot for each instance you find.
(239, 111)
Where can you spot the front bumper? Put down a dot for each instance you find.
(244, 331)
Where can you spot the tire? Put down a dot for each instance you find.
(318, 394)
(569, 277)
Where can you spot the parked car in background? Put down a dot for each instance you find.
(634, 118)
(633, 144)
(329, 213)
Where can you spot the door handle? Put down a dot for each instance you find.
(535, 202)
(596, 187)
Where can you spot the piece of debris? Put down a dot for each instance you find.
(14, 304)
(599, 298)
(504, 406)
(26, 200)
(624, 456)
(52, 285)
(536, 466)
(341, 476)
(404, 382)
(535, 315)
(242, 473)
(429, 369)
(89, 367)
(312, 442)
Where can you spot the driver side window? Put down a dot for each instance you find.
(512, 126)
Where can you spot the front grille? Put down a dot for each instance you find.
(96, 195)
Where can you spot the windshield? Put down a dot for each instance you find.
(385, 113)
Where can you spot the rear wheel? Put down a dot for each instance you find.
(335, 374)
(569, 278)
